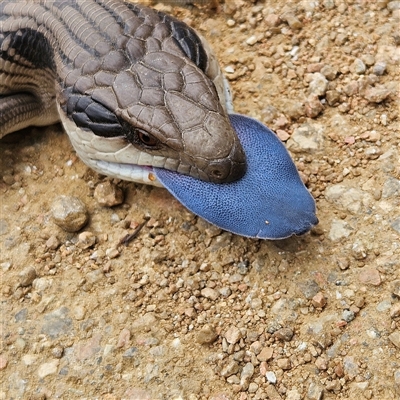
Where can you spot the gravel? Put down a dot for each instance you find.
(185, 310)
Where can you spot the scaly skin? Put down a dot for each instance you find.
(131, 86)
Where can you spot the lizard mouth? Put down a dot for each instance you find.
(269, 202)
(131, 172)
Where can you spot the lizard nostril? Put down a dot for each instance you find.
(225, 171)
(217, 173)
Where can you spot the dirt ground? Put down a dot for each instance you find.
(185, 310)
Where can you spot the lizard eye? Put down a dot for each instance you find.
(146, 139)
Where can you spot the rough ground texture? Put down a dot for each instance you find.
(186, 311)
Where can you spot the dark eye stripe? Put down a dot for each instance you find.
(89, 114)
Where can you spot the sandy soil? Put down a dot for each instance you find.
(186, 311)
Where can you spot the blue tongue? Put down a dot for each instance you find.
(269, 202)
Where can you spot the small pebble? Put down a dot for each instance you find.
(306, 138)
(292, 21)
(315, 391)
(284, 363)
(225, 291)
(332, 97)
(284, 334)
(319, 300)
(53, 243)
(253, 387)
(358, 66)
(256, 304)
(396, 288)
(313, 106)
(341, 39)
(339, 370)
(321, 363)
(57, 352)
(85, 240)
(283, 135)
(348, 315)
(384, 305)
(230, 369)
(48, 368)
(293, 394)
(246, 375)
(79, 312)
(8, 179)
(309, 288)
(29, 359)
(135, 393)
(272, 20)
(397, 377)
(318, 84)
(233, 380)
(271, 377)
(233, 335)
(256, 346)
(207, 335)
(351, 88)
(3, 362)
(27, 276)
(95, 276)
(395, 338)
(263, 368)
(329, 72)
(21, 315)
(377, 94)
(372, 153)
(5, 266)
(313, 67)
(108, 194)
(393, 5)
(20, 344)
(368, 59)
(329, 4)
(395, 311)
(130, 352)
(345, 198)
(251, 40)
(57, 322)
(69, 213)
(124, 338)
(359, 301)
(209, 293)
(272, 393)
(265, 354)
(358, 251)
(112, 253)
(372, 136)
(379, 68)
(350, 366)
(370, 275)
